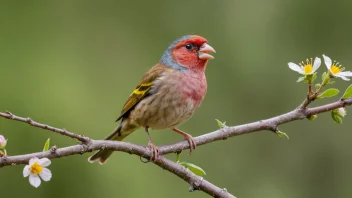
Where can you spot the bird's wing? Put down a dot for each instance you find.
(143, 89)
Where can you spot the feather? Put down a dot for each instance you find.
(143, 90)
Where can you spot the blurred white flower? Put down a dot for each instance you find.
(342, 112)
(307, 68)
(335, 69)
(3, 142)
(37, 168)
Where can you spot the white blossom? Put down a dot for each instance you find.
(336, 70)
(37, 168)
(306, 68)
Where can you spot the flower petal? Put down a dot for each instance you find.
(26, 171)
(34, 180)
(342, 76)
(346, 73)
(295, 67)
(316, 65)
(45, 174)
(33, 160)
(327, 61)
(44, 162)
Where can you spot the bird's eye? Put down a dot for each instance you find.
(189, 46)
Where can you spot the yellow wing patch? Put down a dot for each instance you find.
(137, 95)
(143, 88)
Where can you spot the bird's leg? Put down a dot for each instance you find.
(152, 147)
(189, 138)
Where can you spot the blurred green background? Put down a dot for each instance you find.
(72, 64)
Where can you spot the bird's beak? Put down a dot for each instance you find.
(204, 50)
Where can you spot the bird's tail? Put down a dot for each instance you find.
(103, 155)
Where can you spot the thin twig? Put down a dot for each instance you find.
(31, 122)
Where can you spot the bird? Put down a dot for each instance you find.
(167, 95)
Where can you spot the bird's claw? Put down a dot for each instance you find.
(155, 151)
(191, 142)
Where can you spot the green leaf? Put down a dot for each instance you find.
(193, 168)
(221, 124)
(325, 78)
(47, 145)
(331, 82)
(282, 134)
(314, 77)
(312, 117)
(329, 93)
(348, 92)
(336, 118)
(302, 78)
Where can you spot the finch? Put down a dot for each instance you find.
(168, 94)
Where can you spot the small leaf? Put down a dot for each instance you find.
(312, 117)
(302, 78)
(325, 78)
(331, 82)
(329, 93)
(314, 77)
(282, 134)
(221, 124)
(336, 118)
(348, 92)
(317, 86)
(193, 168)
(47, 145)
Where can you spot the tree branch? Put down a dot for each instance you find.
(31, 122)
(196, 182)
(270, 124)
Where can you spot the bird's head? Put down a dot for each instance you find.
(188, 52)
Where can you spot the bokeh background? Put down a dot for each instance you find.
(72, 64)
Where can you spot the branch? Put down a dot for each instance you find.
(196, 182)
(270, 124)
(88, 145)
(31, 122)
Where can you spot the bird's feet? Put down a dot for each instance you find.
(155, 151)
(191, 142)
(189, 138)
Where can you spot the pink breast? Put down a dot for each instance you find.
(194, 88)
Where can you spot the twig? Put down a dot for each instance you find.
(31, 122)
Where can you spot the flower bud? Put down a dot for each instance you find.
(3, 142)
(341, 112)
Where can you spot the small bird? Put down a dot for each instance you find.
(168, 94)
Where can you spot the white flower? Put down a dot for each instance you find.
(307, 68)
(342, 111)
(335, 69)
(37, 168)
(3, 142)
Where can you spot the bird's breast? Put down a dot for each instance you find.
(194, 88)
(173, 100)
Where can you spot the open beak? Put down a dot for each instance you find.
(204, 50)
